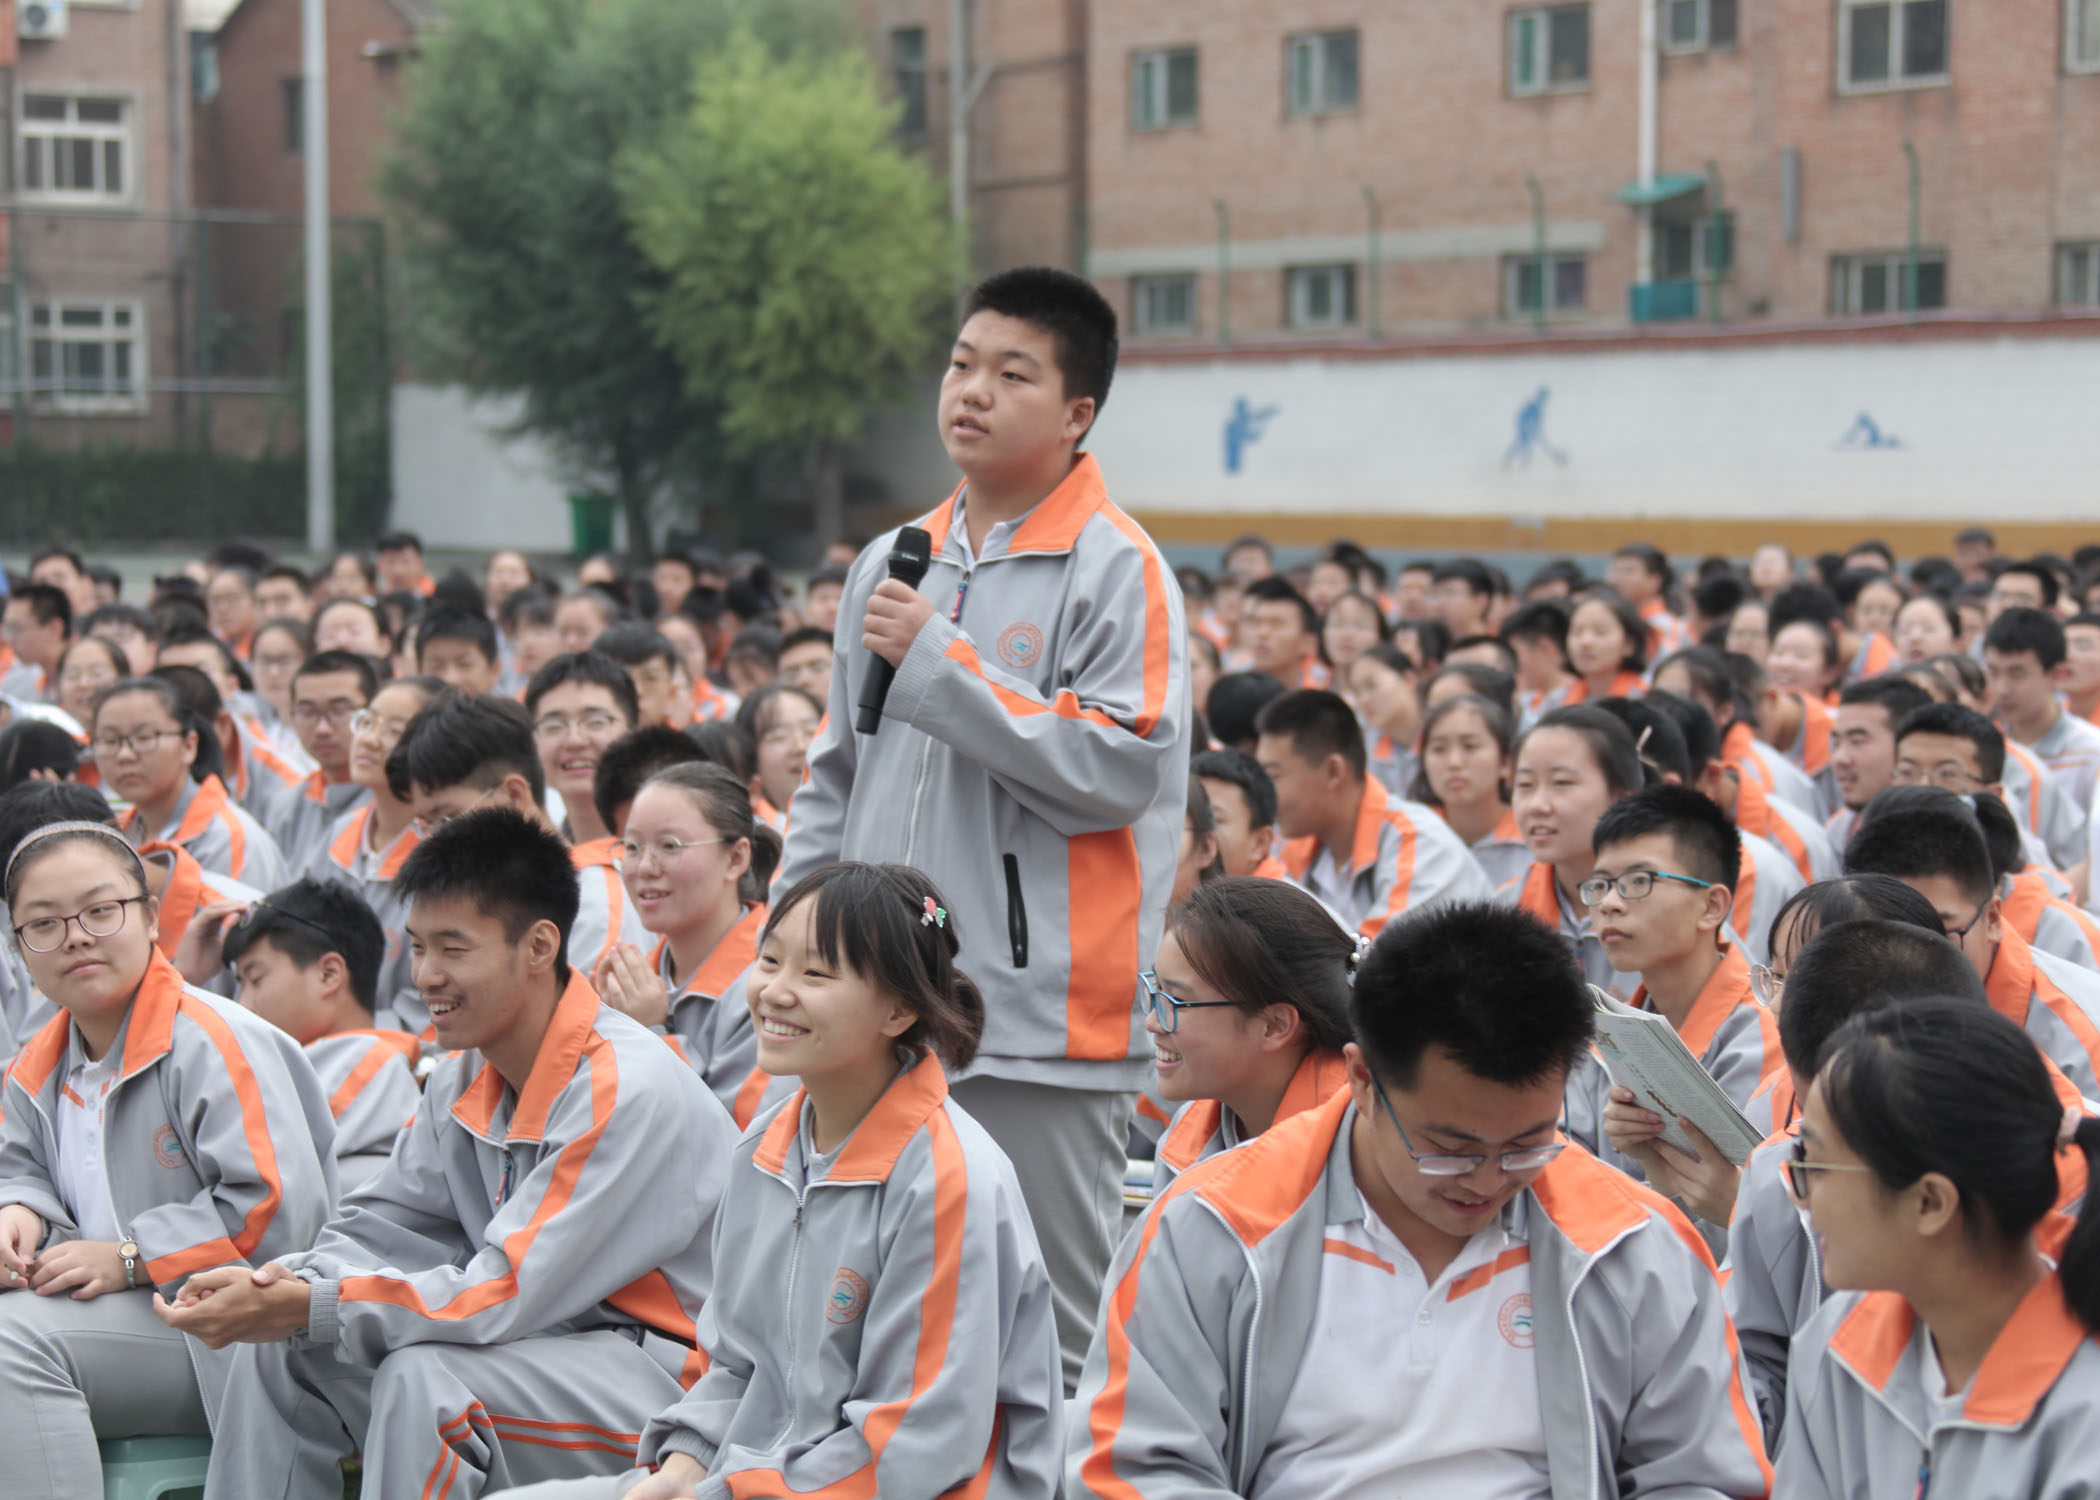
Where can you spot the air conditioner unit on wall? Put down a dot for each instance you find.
(40, 20)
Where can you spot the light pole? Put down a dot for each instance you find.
(320, 312)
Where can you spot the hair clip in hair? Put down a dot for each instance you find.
(935, 915)
(1357, 955)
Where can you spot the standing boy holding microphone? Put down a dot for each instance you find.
(1031, 756)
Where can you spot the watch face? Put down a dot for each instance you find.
(129, 1250)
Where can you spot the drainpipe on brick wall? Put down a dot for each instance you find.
(1224, 270)
(1910, 261)
(1651, 63)
(1372, 325)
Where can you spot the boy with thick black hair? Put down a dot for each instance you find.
(39, 625)
(1941, 854)
(329, 690)
(1243, 803)
(1659, 900)
(1330, 1300)
(1032, 758)
(805, 661)
(460, 754)
(307, 960)
(1863, 745)
(458, 647)
(1537, 633)
(579, 704)
(1366, 853)
(2023, 656)
(656, 667)
(1283, 633)
(633, 758)
(1462, 595)
(468, 1319)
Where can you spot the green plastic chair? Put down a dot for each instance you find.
(154, 1468)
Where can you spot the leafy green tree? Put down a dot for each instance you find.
(802, 259)
(524, 278)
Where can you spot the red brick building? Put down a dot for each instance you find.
(1361, 166)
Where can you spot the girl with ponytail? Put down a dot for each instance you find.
(880, 1319)
(696, 862)
(1957, 1355)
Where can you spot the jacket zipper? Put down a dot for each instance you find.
(1016, 912)
(918, 786)
(794, 1265)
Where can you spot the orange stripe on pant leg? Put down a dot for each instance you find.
(1102, 884)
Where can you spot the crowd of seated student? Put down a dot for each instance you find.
(380, 939)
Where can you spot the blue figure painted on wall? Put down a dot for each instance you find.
(1531, 433)
(1867, 433)
(1243, 428)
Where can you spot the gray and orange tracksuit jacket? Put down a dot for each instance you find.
(370, 1079)
(1210, 1302)
(1202, 1128)
(1405, 858)
(506, 1213)
(883, 1329)
(219, 833)
(1033, 762)
(709, 1024)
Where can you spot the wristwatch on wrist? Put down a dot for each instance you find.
(129, 1251)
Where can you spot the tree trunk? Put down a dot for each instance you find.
(829, 494)
(634, 497)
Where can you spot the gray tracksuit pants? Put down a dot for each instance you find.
(452, 1419)
(72, 1372)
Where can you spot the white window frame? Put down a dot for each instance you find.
(50, 395)
(1152, 89)
(1846, 272)
(2082, 25)
(2077, 279)
(1298, 282)
(1145, 294)
(1898, 11)
(1703, 27)
(1541, 82)
(1317, 97)
(32, 135)
(1513, 269)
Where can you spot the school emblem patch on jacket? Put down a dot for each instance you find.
(1020, 644)
(849, 1296)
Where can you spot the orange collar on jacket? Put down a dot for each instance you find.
(553, 1069)
(185, 893)
(1726, 989)
(207, 802)
(1055, 523)
(2024, 1361)
(345, 849)
(732, 955)
(1625, 684)
(870, 1153)
(1816, 722)
(2011, 983)
(148, 1030)
(1318, 1075)
(1539, 895)
(1372, 811)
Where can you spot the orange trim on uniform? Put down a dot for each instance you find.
(569, 1032)
(1065, 705)
(732, 954)
(1624, 684)
(1754, 813)
(1879, 653)
(1480, 1276)
(1105, 889)
(386, 1045)
(2036, 778)
(1817, 725)
(184, 894)
(1539, 895)
(1271, 868)
(651, 1300)
(255, 1131)
(566, 1042)
(1356, 1253)
(1739, 751)
(937, 1306)
(2030, 896)
(2016, 982)
(1318, 1075)
(1158, 653)
(750, 1094)
(1375, 810)
(2024, 1361)
(1726, 991)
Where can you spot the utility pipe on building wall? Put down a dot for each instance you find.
(1538, 251)
(1376, 267)
(320, 312)
(1910, 262)
(965, 83)
(1651, 63)
(1224, 270)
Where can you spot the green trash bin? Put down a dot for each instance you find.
(590, 524)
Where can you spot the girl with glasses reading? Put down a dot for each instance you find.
(1247, 1006)
(150, 1131)
(1956, 1355)
(696, 864)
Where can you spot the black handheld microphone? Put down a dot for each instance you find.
(909, 560)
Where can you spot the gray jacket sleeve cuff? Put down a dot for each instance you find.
(324, 1323)
(915, 678)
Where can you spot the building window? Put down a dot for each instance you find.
(87, 356)
(1320, 296)
(293, 93)
(1862, 285)
(1567, 284)
(1694, 249)
(1888, 44)
(1163, 88)
(75, 149)
(2082, 36)
(2078, 274)
(1549, 48)
(1163, 306)
(1323, 72)
(204, 67)
(908, 66)
(1698, 25)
